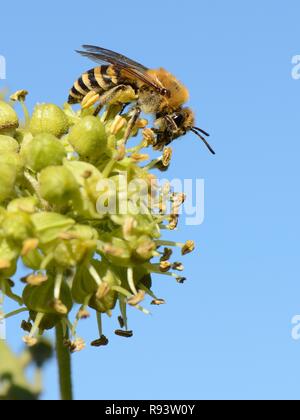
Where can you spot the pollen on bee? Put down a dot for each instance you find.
(179, 94)
(90, 99)
(117, 125)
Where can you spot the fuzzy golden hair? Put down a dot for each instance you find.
(178, 92)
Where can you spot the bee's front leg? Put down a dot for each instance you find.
(163, 138)
(136, 112)
(123, 108)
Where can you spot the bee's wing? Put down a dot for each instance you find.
(132, 68)
(114, 56)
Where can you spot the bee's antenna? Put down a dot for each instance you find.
(204, 140)
(201, 131)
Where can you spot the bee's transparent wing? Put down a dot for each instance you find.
(128, 66)
(114, 56)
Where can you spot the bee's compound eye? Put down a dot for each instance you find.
(178, 119)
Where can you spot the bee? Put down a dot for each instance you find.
(158, 93)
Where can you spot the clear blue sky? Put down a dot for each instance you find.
(227, 332)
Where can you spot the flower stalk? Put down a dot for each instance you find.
(64, 365)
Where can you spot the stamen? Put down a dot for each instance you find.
(46, 261)
(127, 294)
(28, 246)
(165, 266)
(31, 340)
(168, 252)
(95, 275)
(102, 341)
(58, 284)
(99, 323)
(138, 298)
(36, 280)
(102, 291)
(4, 264)
(178, 266)
(59, 307)
(123, 309)
(158, 302)
(20, 96)
(121, 322)
(131, 281)
(149, 137)
(188, 247)
(167, 156)
(125, 334)
(26, 326)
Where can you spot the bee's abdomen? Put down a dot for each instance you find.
(99, 79)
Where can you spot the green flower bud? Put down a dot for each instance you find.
(8, 144)
(8, 256)
(23, 137)
(17, 226)
(49, 226)
(88, 138)
(8, 175)
(40, 298)
(84, 232)
(137, 225)
(58, 185)
(33, 259)
(105, 299)
(49, 118)
(25, 204)
(72, 252)
(14, 160)
(117, 251)
(83, 172)
(9, 121)
(144, 248)
(8, 268)
(84, 285)
(88, 177)
(44, 150)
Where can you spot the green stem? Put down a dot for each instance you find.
(64, 365)
(14, 313)
(26, 114)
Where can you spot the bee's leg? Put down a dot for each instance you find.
(109, 96)
(98, 110)
(171, 124)
(123, 108)
(133, 120)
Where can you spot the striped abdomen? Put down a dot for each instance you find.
(99, 79)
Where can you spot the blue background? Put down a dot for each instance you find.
(227, 332)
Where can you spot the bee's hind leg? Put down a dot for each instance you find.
(109, 97)
(136, 112)
(98, 110)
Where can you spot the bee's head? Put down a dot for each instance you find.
(177, 124)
